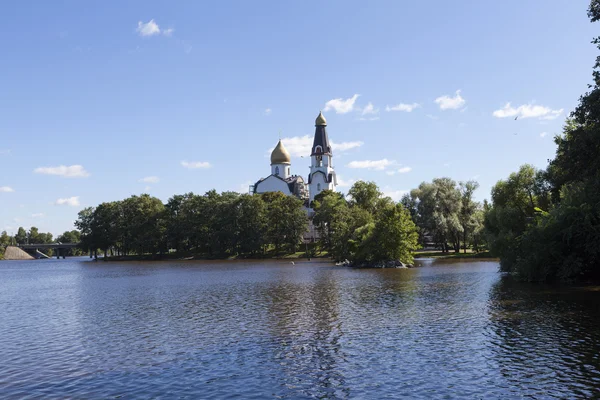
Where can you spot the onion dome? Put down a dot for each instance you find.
(280, 155)
(320, 121)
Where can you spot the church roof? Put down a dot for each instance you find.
(321, 138)
(280, 155)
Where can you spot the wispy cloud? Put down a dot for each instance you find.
(37, 215)
(402, 107)
(345, 146)
(73, 171)
(543, 134)
(370, 109)
(6, 189)
(368, 119)
(150, 179)
(345, 183)
(151, 28)
(195, 164)
(395, 195)
(4, 152)
(68, 201)
(451, 103)
(527, 111)
(433, 117)
(402, 170)
(299, 146)
(243, 188)
(268, 111)
(340, 105)
(371, 164)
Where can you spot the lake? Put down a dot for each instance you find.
(268, 329)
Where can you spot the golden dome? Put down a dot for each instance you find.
(280, 155)
(320, 120)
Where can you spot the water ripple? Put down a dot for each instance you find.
(73, 329)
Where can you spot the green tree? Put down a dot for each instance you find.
(468, 211)
(364, 195)
(251, 224)
(438, 211)
(21, 236)
(392, 236)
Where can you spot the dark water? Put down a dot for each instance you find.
(73, 329)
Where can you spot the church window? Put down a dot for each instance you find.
(277, 171)
(318, 187)
(288, 170)
(318, 149)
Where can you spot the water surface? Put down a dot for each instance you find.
(81, 329)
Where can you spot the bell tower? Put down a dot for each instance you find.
(322, 175)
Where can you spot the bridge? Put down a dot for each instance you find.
(60, 249)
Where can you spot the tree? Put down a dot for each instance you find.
(438, 211)
(330, 212)
(251, 224)
(364, 195)
(468, 210)
(286, 220)
(21, 236)
(391, 236)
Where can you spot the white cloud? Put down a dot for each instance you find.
(268, 111)
(370, 109)
(73, 171)
(402, 170)
(168, 31)
(527, 111)
(345, 183)
(543, 134)
(402, 107)
(450, 103)
(345, 146)
(299, 146)
(147, 189)
(433, 117)
(369, 164)
(368, 119)
(68, 201)
(37, 215)
(6, 189)
(195, 164)
(396, 195)
(340, 105)
(150, 179)
(149, 28)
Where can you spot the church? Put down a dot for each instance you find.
(321, 176)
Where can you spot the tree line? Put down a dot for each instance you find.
(33, 235)
(215, 225)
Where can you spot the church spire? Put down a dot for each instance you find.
(320, 142)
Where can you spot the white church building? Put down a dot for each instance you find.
(321, 176)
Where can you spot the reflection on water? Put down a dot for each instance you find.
(70, 328)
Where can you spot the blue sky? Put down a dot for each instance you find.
(116, 92)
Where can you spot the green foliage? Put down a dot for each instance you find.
(215, 225)
(366, 229)
(438, 207)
